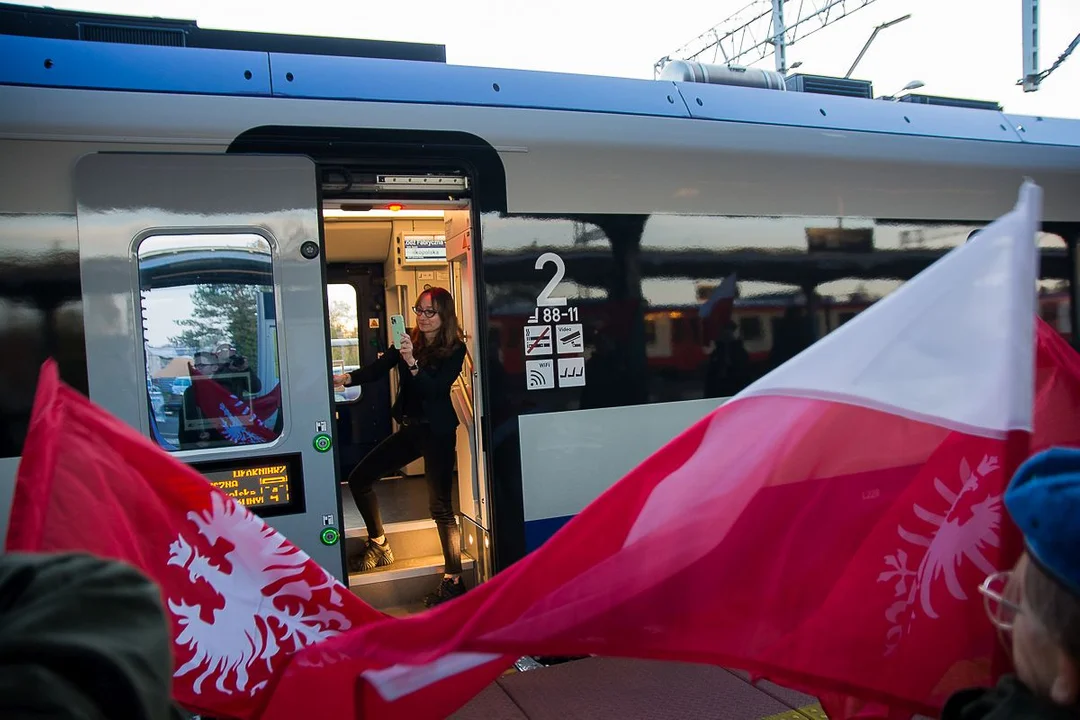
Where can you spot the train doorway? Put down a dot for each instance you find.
(381, 255)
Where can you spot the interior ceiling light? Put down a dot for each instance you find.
(402, 214)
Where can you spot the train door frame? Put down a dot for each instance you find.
(433, 151)
(462, 252)
(399, 281)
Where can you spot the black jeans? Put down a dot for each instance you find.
(439, 451)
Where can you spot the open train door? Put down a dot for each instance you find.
(467, 396)
(205, 305)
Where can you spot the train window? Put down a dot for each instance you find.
(637, 278)
(750, 328)
(650, 331)
(210, 340)
(678, 327)
(344, 336)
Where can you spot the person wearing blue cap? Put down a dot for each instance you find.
(1036, 605)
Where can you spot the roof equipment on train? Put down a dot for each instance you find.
(44, 49)
(131, 30)
(687, 71)
(824, 85)
(951, 102)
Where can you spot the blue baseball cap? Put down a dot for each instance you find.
(1043, 499)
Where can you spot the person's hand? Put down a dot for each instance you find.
(341, 380)
(406, 350)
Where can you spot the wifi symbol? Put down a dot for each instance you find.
(536, 378)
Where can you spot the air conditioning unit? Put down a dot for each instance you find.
(951, 102)
(823, 85)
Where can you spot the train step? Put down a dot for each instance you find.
(401, 499)
(401, 587)
(410, 539)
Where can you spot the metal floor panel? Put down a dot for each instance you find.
(619, 689)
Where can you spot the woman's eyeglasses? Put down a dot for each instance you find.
(426, 312)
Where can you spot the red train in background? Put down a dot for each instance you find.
(677, 340)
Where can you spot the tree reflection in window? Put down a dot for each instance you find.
(210, 339)
(222, 313)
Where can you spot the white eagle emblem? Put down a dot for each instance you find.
(235, 427)
(264, 604)
(947, 543)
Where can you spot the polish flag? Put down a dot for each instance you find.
(240, 598)
(240, 422)
(716, 311)
(827, 528)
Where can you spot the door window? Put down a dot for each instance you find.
(344, 337)
(210, 340)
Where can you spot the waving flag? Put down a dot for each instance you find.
(238, 421)
(716, 311)
(827, 528)
(241, 597)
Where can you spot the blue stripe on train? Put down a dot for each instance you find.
(538, 531)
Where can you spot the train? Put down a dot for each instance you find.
(170, 194)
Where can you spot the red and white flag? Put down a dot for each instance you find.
(717, 309)
(827, 528)
(238, 421)
(241, 597)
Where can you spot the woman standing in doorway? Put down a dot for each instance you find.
(428, 361)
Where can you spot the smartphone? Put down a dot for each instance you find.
(397, 329)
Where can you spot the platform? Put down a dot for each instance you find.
(619, 689)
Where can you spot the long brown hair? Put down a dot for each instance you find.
(449, 334)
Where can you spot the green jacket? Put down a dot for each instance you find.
(1009, 700)
(82, 638)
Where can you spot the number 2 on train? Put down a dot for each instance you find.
(544, 299)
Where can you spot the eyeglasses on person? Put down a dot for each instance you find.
(1002, 599)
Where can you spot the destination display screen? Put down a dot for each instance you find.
(265, 485)
(424, 248)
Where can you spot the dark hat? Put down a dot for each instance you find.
(1044, 502)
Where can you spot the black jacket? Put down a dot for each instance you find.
(82, 639)
(1009, 700)
(431, 386)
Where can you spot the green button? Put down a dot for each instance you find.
(329, 536)
(322, 442)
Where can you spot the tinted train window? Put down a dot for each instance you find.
(210, 340)
(750, 328)
(758, 290)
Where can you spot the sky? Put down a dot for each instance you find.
(966, 48)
